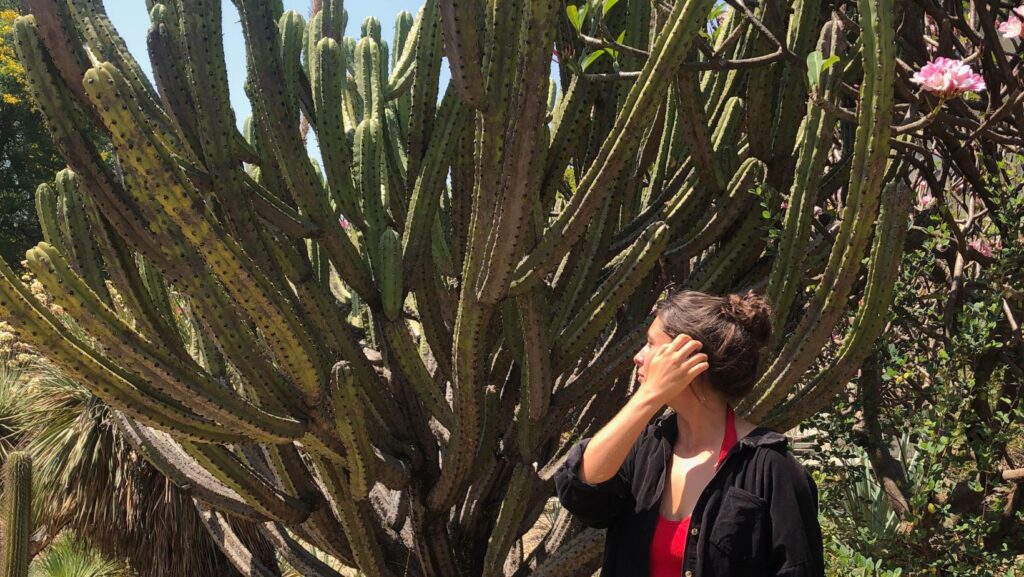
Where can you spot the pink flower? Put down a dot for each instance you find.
(1012, 28)
(343, 222)
(783, 205)
(925, 200)
(948, 78)
(982, 246)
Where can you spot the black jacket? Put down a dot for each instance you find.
(758, 516)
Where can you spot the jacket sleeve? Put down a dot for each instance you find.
(594, 505)
(796, 542)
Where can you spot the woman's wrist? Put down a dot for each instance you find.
(644, 400)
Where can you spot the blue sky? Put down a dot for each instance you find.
(132, 21)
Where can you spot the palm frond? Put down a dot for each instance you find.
(69, 556)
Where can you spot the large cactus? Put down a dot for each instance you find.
(385, 358)
(16, 514)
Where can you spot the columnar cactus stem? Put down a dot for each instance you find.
(866, 177)
(16, 513)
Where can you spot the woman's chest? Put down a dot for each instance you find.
(685, 480)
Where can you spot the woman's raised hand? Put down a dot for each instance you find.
(671, 368)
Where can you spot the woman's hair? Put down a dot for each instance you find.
(732, 329)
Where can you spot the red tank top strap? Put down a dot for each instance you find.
(730, 433)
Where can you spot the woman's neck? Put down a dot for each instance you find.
(700, 422)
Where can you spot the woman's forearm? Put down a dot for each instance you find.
(609, 447)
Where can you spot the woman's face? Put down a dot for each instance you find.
(656, 337)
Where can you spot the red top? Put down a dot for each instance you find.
(670, 536)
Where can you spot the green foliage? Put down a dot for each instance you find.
(27, 155)
(70, 556)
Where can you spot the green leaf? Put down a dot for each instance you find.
(608, 4)
(574, 17)
(829, 62)
(590, 58)
(814, 68)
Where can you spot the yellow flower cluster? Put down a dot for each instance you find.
(10, 67)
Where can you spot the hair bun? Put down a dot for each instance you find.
(752, 312)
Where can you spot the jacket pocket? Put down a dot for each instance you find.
(738, 526)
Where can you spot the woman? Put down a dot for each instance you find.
(701, 491)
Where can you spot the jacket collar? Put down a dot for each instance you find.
(666, 428)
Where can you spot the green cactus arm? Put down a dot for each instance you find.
(388, 273)
(357, 520)
(86, 259)
(115, 386)
(863, 193)
(583, 268)
(669, 48)
(278, 213)
(579, 554)
(92, 22)
(804, 23)
(66, 122)
(366, 463)
(743, 243)
(429, 292)
(368, 63)
(291, 31)
(536, 376)
(250, 485)
(145, 151)
(300, 558)
(167, 58)
(237, 553)
(415, 373)
(725, 138)
(426, 76)
(17, 514)
(167, 455)
(468, 352)
(429, 184)
(738, 198)
(46, 211)
(625, 276)
(815, 140)
(369, 154)
(762, 87)
(696, 138)
(189, 385)
(568, 127)
(400, 79)
(460, 21)
(870, 320)
(328, 88)
(285, 147)
(396, 166)
(513, 508)
(525, 149)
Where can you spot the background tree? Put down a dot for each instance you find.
(27, 155)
